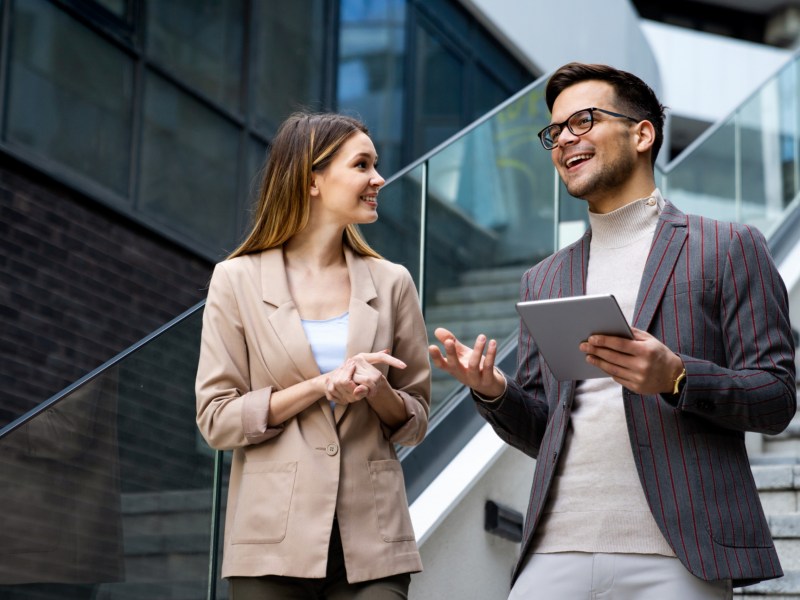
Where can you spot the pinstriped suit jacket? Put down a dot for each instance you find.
(711, 293)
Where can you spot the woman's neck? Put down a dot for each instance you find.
(314, 250)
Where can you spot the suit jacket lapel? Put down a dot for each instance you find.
(363, 318)
(573, 283)
(668, 241)
(298, 363)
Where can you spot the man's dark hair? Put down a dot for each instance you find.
(634, 97)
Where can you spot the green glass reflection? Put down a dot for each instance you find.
(490, 216)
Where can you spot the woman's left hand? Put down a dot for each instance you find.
(358, 378)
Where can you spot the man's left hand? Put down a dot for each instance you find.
(643, 365)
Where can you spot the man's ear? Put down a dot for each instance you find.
(645, 136)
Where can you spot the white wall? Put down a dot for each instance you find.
(546, 34)
(461, 560)
(707, 76)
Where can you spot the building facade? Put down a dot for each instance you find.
(133, 132)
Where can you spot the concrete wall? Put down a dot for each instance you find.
(460, 559)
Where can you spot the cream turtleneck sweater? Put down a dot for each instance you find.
(596, 502)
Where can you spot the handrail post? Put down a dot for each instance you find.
(216, 504)
(737, 166)
(423, 230)
(556, 209)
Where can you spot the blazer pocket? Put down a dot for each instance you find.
(263, 502)
(391, 504)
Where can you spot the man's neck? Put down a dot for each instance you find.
(619, 197)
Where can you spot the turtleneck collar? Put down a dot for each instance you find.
(628, 223)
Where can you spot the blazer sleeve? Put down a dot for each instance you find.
(229, 413)
(756, 391)
(412, 384)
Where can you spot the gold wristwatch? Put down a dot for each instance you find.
(676, 385)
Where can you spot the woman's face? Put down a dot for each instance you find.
(347, 190)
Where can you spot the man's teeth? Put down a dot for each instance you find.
(577, 158)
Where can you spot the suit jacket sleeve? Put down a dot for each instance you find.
(229, 413)
(755, 390)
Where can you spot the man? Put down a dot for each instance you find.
(642, 486)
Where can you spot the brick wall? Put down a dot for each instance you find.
(78, 284)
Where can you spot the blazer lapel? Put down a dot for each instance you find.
(298, 363)
(363, 318)
(668, 241)
(573, 283)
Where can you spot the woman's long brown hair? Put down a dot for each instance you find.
(305, 142)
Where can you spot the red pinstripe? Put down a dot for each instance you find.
(695, 499)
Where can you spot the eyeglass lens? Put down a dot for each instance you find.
(579, 123)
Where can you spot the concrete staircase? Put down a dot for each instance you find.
(775, 462)
(482, 302)
(166, 547)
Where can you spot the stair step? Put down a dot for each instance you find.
(472, 310)
(466, 331)
(478, 293)
(500, 274)
(776, 477)
(785, 587)
(173, 590)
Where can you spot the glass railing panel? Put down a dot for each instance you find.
(747, 169)
(705, 183)
(762, 135)
(788, 138)
(396, 233)
(107, 493)
(490, 214)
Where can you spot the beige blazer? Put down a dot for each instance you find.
(287, 482)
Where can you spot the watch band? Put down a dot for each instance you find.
(676, 385)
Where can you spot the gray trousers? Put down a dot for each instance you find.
(587, 576)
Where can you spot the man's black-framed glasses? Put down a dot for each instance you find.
(578, 123)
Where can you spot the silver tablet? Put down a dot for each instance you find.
(558, 326)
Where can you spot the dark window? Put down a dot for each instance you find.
(201, 42)
(70, 95)
(287, 60)
(188, 172)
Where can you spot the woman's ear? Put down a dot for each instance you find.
(313, 189)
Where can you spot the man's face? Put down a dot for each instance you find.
(597, 165)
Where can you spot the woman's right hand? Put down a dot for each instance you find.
(357, 378)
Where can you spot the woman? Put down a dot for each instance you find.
(313, 364)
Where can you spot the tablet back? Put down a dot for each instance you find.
(559, 325)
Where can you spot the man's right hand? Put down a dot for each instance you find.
(469, 365)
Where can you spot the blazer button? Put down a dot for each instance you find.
(331, 449)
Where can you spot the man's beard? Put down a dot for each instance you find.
(608, 177)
